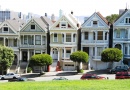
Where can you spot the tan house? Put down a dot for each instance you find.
(63, 40)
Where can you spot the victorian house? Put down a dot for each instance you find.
(94, 39)
(63, 40)
(121, 38)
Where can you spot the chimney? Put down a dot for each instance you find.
(45, 14)
(72, 12)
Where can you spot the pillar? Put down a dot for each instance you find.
(71, 37)
(34, 39)
(41, 39)
(4, 41)
(28, 55)
(58, 54)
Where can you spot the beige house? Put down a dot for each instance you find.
(63, 40)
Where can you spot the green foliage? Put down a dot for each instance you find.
(6, 57)
(29, 69)
(68, 85)
(112, 18)
(81, 71)
(79, 56)
(41, 60)
(111, 54)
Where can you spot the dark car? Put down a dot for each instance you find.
(122, 75)
(120, 68)
(91, 77)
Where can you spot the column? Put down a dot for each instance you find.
(28, 55)
(128, 49)
(34, 39)
(41, 39)
(34, 52)
(107, 36)
(23, 39)
(4, 41)
(82, 34)
(64, 37)
(104, 36)
(64, 53)
(72, 50)
(96, 35)
(58, 54)
(71, 37)
(20, 55)
(95, 51)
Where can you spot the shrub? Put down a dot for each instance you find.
(81, 71)
(29, 69)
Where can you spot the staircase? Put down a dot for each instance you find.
(53, 66)
(13, 68)
(23, 66)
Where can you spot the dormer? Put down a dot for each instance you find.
(5, 29)
(32, 26)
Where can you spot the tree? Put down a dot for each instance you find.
(111, 18)
(41, 60)
(111, 55)
(79, 56)
(6, 58)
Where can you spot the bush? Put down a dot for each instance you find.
(81, 71)
(29, 69)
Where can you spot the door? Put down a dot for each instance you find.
(55, 54)
(24, 56)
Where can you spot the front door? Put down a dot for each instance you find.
(24, 56)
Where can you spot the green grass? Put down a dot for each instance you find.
(68, 85)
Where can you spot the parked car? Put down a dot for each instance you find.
(10, 76)
(60, 78)
(20, 79)
(119, 68)
(91, 77)
(122, 75)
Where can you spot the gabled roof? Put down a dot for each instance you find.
(70, 18)
(46, 20)
(16, 23)
(121, 15)
(99, 15)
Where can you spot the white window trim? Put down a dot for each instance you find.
(4, 31)
(63, 26)
(33, 29)
(53, 37)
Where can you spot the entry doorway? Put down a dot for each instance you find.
(24, 56)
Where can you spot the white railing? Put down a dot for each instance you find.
(69, 43)
(94, 41)
(32, 46)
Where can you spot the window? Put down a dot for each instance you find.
(68, 38)
(100, 35)
(37, 39)
(74, 37)
(105, 35)
(5, 29)
(6, 42)
(86, 36)
(93, 35)
(126, 49)
(99, 51)
(55, 37)
(37, 52)
(15, 42)
(118, 33)
(94, 22)
(25, 39)
(127, 20)
(68, 52)
(63, 24)
(126, 34)
(32, 26)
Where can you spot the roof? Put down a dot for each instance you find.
(16, 23)
(122, 14)
(46, 20)
(104, 19)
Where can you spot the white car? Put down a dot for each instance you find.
(10, 76)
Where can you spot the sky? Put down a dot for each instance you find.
(79, 7)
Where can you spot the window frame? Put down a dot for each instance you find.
(37, 40)
(32, 25)
(55, 39)
(68, 37)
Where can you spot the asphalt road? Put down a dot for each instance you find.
(70, 75)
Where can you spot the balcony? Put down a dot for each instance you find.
(32, 46)
(94, 41)
(127, 56)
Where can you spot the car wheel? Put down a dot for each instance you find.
(2, 78)
(14, 77)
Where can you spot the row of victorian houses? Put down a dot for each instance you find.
(66, 35)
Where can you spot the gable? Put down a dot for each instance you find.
(6, 28)
(32, 26)
(94, 21)
(124, 20)
(63, 23)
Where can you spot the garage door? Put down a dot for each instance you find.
(69, 67)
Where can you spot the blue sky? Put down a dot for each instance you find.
(79, 7)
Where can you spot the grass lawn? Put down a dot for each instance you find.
(68, 85)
